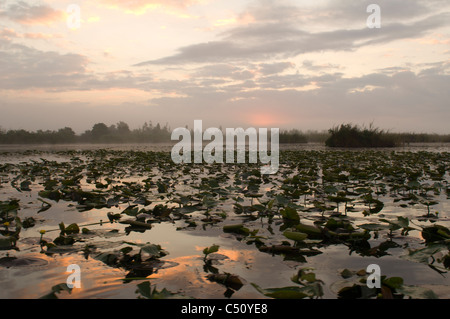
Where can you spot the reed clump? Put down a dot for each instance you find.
(354, 136)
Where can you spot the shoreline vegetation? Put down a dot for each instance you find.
(344, 135)
(353, 136)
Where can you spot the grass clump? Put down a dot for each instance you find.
(353, 136)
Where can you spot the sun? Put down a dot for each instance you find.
(264, 119)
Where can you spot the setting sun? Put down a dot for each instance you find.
(265, 120)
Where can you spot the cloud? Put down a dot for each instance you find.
(225, 71)
(395, 98)
(142, 6)
(24, 13)
(248, 69)
(334, 14)
(311, 66)
(121, 79)
(40, 35)
(349, 11)
(24, 67)
(397, 101)
(274, 68)
(9, 33)
(283, 40)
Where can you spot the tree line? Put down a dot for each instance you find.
(116, 133)
(100, 133)
(149, 133)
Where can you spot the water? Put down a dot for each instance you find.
(33, 273)
(167, 147)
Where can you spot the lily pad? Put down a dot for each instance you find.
(435, 233)
(237, 229)
(6, 243)
(296, 236)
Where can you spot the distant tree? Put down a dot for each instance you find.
(66, 135)
(292, 136)
(123, 128)
(98, 131)
(112, 128)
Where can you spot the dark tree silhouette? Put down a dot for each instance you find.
(344, 135)
(99, 130)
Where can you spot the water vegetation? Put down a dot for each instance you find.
(353, 136)
(366, 204)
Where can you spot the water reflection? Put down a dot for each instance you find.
(167, 147)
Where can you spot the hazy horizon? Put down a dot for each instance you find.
(190, 127)
(306, 65)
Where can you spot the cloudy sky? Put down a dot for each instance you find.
(290, 64)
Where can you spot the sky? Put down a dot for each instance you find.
(308, 65)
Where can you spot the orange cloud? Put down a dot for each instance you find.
(434, 39)
(25, 13)
(223, 22)
(139, 7)
(241, 20)
(41, 36)
(8, 33)
(93, 19)
(234, 20)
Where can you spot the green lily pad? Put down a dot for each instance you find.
(296, 236)
(290, 213)
(283, 293)
(6, 243)
(237, 229)
(435, 233)
(210, 250)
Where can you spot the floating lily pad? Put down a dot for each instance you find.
(296, 236)
(237, 229)
(435, 233)
(228, 280)
(6, 243)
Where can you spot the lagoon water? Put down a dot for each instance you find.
(183, 271)
(167, 147)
